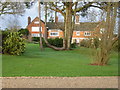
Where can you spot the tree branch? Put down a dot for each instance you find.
(85, 6)
(54, 8)
(57, 10)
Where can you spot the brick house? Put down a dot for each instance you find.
(82, 30)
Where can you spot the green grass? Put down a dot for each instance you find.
(56, 63)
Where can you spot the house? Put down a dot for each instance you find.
(82, 30)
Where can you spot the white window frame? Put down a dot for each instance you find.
(36, 35)
(86, 34)
(77, 33)
(36, 22)
(36, 29)
(54, 32)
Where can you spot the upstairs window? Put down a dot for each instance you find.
(36, 29)
(87, 34)
(36, 22)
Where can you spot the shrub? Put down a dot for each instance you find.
(73, 45)
(116, 46)
(24, 31)
(96, 42)
(85, 43)
(5, 34)
(58, 42)
(90, 43)
(13, 44)
(36, 39)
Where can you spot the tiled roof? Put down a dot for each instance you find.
(86, 26)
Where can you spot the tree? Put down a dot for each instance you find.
(68, 10)
(10, 7)
(39, 11)
(107, 38)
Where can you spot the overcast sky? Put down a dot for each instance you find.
(22, 21)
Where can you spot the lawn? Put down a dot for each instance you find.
(56, 63)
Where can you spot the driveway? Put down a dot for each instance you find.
(60, 82)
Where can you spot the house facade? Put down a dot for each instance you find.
(81, 31)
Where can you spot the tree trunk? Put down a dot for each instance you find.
(45, 34)
(40, 33)
(67, 32)
(68, 26)
(103, 55)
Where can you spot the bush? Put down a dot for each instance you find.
(13, 44)
(5, 34)
(37, 39)
(116, 46)
(96, 42)
(85, 43)
(73, 45)
(90, 43)
(24, 31)
(58, 42)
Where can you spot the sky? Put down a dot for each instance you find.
(7, 21)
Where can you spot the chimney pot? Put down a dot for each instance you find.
(56, 19)
(77, 19)
(29, 20)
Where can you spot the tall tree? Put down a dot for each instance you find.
(67, 9)
(40, 33)
(107, 37)
(10, 7)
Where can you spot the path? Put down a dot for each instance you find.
(60, 82)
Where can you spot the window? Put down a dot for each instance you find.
(78, 33)
(36, 22)
(36, 35)
(54, 34)
(87, 34)
(36, 29)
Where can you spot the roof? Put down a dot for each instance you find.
(53, 25)
(83, 26)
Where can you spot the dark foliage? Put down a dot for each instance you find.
(58, 42)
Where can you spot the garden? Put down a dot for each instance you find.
(21, 58)
(73, 63)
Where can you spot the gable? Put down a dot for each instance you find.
(35, 22)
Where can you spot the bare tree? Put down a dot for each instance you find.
(12, 7)
(107, 37)
(67, 10)
(40, 33)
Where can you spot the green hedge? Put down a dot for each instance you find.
(116, 46)
(90, 43)
(58, 42)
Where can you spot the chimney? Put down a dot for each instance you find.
(29, 20)
(56, 19)
(77, 19)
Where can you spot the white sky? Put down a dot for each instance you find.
(5, 20)
(22, 21)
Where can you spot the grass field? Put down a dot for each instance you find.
(56, 63)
